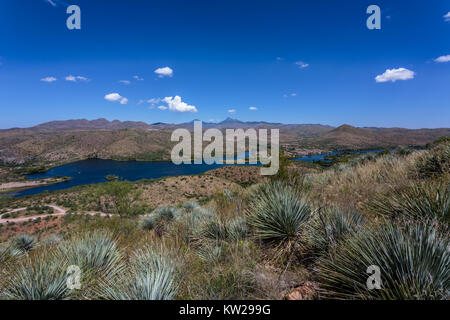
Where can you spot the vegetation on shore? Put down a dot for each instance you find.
(303, 234)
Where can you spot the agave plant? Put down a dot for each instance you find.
(276, 213)
(152, 276)
(329, 227)
(41, 277)
(423, 201)
(24, 242)
(95, 253)
(413, 263)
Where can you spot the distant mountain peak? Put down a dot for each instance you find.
(230, 120)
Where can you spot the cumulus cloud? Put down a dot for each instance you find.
(290, 95)
(253, 108)
(162, 108)
(114, 97)
(302, 64)
(76, 78)
(175, 104)
(48, 79)
(125, 82)
(164, 72)
(395, 74)
(138, 78)
(232, 111)
(443, 58)
(447, 17)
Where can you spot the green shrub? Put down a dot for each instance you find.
(95, 253)
(420, 201)
(42, 277)
(436, 161)
(152, 276)
(329, 227)
(159, 216)
(413, 262)
(277, 213)
(24, 242)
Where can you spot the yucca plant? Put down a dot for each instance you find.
(330, 226)
(8, 253)
(190, 205)
(237, 229)
(24, 242)
(95, 253)
(152, 276)
(413, 262)
(420, 201)
(277, 214)
(159, 216)
(39, 277)
(210, 252)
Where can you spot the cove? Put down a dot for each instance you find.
(95, 171)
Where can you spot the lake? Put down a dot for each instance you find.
(95, 171)
(321, 156)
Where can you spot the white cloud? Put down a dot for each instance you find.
(154, 100)
(125, 82)
(253, 108)
(114, 97)
(232, 111)
(395, 74)
(302, 64)
(75, 79)
(162, 108)
(175, 104)
(280, 59)
(138, 78)
(164, 72)
(447, 17)
(443, 58)
(290, 95)
(48, 79)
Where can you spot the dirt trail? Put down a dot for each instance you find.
(59, 212)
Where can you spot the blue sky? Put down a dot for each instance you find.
(292, 61)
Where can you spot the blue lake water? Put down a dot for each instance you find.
(95, 171)
(321, 156)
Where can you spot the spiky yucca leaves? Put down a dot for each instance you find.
(330, 226)
(95, 253)
(189, 224)
(41, 276)
(24, 242)
(158, 217)
(151, 276)
(436, 161)
(190, 205)
(8, 253)
(413, 263)
(277, 213)
(422, 201)
(217, 229)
